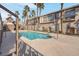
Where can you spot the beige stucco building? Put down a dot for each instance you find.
(52, 21)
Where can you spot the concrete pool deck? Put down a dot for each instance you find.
(65, 46)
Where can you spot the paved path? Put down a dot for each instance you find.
(73, 40)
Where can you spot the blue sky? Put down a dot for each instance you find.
(49, 7)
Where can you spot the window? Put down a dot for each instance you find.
(45, 19)
(70, 14)
(51, 17)
(32, 22)
(57, 16)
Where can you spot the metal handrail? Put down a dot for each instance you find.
(4, 8)
(31, 50)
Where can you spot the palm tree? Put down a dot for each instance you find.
(23, 20)
(33, 13)
(40, 6)
(25, 14)
(17, 13)
(30, 16)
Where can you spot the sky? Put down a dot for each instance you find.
(49, 7)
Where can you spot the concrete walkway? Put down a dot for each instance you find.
(69, 39)
(64, 46)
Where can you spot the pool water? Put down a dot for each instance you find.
(34, 35)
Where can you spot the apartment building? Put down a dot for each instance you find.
(52, 21)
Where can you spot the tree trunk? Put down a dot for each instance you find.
(27, 21)
(37, 19)
(34, 25)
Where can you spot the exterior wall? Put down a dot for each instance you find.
(77, 16)
(31, 27)
(72, 22)
(64, 26)
(46, 23)
(45, 27)
(43, 19)
(31, 24)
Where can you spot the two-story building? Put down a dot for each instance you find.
(52, 21)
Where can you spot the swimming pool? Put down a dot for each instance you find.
(34, 35)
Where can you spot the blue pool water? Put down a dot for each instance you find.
(34, 35)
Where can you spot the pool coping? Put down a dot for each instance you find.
(34, 31)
